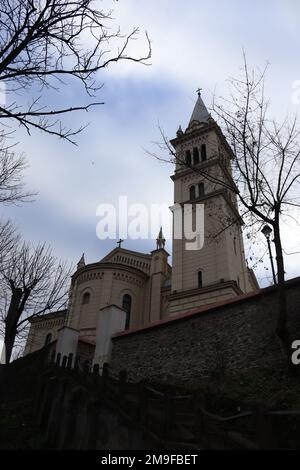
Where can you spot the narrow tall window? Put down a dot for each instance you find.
(48, 339)
(199, 278)
(203, 152)
(86, 298)
(201, 189)
(188, 158)
(126, 304)
(234, 245)
(192, 192)
(195, 156)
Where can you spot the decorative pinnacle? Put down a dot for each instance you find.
(160, 241)
(81, 262)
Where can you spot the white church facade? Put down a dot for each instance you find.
(127, 289)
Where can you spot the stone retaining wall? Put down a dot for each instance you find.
(235, 335)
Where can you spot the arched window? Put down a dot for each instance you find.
(199, 278)
(195, 156)
(201, 189)
(48, 339)
(203, 152)
(86, 298)
(192, 192)
(188, 158)
(126, 304)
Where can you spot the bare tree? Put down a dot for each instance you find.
(9, 238)
(43, 43)
(266, 164)
(265, 170)
(12, 167)
(33, 282)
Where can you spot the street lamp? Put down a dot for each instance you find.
(266, 230)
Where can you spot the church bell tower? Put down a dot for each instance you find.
(203, 175)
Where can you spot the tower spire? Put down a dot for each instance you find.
(81, 262)
(200, 112)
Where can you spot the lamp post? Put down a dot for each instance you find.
(266, 230)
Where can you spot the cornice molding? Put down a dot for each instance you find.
(108, 266)
(206, 289)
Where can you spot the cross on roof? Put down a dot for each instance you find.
(199, 91)
(119, 242)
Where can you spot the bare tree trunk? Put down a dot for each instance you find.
(11, 322)
(9, 341)
(282, 327)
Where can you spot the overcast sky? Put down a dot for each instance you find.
(195, 43)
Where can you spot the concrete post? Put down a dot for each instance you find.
(2, 356)
(111, 320)
(67, 341)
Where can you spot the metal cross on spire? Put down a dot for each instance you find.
(119, 242)
(199, 91)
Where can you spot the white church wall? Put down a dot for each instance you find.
(212, 259)
(85, 315)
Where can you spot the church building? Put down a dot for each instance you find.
(128, 289)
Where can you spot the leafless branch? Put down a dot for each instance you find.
(45, 44)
